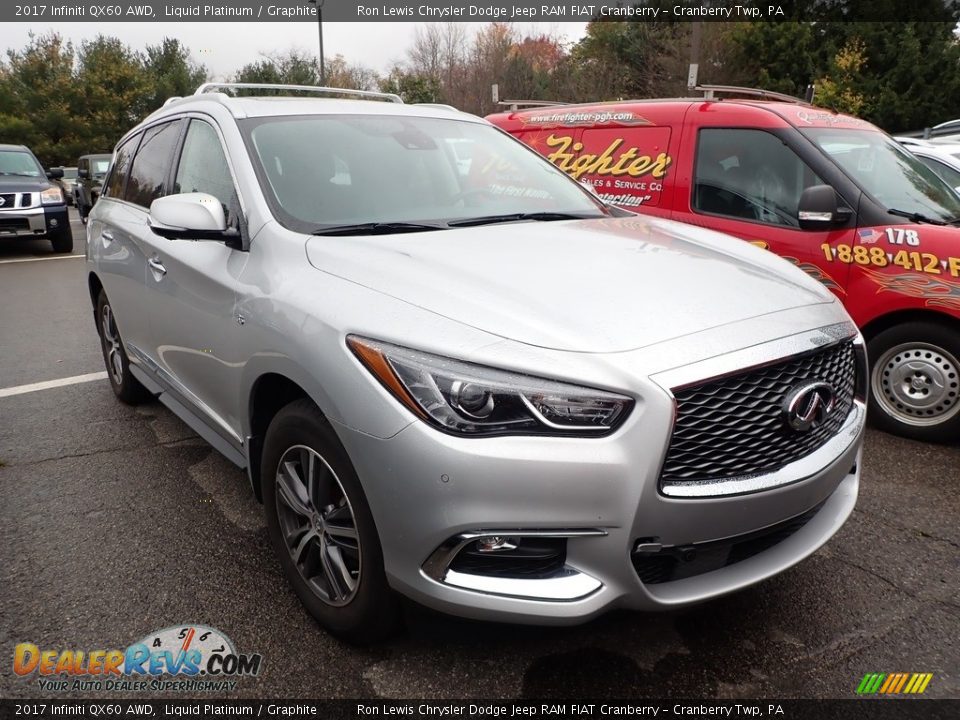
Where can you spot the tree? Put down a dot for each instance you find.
(839, 89)
(170, 71)
(410, 86)
(38, 98)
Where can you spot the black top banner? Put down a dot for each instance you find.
(476, 11)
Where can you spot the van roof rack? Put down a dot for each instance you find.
(710, 92)
(517, 104)
(364, 94)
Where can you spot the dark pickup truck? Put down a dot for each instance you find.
(30, 204)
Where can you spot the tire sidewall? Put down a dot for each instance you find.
(363, 618)
(129, 390)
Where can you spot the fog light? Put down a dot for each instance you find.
(495, 543)
(53, 222)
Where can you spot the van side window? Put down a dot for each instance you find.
(751, 175)
(121, 164)
(203, 167)
(151, 165)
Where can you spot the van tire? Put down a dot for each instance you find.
(915, 381)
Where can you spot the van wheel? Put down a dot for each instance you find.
(125, 386)
(915, 381)
(322, 529)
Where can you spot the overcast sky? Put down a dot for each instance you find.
(226, 47)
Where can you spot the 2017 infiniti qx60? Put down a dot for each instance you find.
(452, 373)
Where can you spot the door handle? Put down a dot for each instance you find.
(157, 268)
(107, 237)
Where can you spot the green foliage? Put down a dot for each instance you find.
(63, 103)
(412, 87)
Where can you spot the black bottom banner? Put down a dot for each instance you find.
(865, 709)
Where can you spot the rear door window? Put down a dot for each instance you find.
(152, 163)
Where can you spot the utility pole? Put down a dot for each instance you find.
(319, 4)
(694, 71)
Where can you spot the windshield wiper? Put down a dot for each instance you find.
(919, 217)
(377, 228)
(516, 217)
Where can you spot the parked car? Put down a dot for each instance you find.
(943, 159)
(830, 193)
(487, 391)
(68, 184)
(91, 169)
(31, 203)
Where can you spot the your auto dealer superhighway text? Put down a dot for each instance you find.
(546, 11)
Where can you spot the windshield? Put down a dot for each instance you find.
(99, 166)
(345, 170)
(17, 162)
(891, 175)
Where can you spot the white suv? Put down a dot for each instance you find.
(453, 373)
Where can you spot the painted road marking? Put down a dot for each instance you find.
(34, 387)
(56, 257)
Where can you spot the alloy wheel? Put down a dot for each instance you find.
(111, 345)
(317, 525)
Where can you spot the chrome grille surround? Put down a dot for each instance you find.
(733, 427)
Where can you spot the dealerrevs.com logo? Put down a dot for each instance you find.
(187, 658)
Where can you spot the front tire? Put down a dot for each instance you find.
(322, 529)
(915, 381)
(62, 240)
(125, 386)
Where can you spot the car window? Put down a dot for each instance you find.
(891, 174)
(17, 162)
(203, 167)
(100, 166)
(749, 174)
(118, 175)
(951, 176)
(322, 171)
(151, 165)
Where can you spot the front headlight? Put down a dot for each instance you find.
(468, 399)
(51, 196)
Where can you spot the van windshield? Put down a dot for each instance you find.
(891, 175)
(331, 172)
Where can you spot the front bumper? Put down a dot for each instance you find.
(38, 221)
(428, 491)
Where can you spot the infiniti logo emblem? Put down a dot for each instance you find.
(2, 202)
(809, 406)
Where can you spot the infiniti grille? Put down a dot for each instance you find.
(734, 426)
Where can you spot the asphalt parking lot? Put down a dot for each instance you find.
(117, 521)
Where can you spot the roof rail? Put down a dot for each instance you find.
(711, 91)
(439, 106)
(367, 94)
(516, 104)
(172, 99)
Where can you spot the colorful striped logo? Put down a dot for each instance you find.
(894, 683)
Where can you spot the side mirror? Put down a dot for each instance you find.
(83, 173)
(818, 208)
(54, 173)
(190, 216)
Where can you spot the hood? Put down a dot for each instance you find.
(603, 285)
(20, 183)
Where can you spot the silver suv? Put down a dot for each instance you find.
(452, 373)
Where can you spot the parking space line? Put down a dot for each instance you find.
(46, 385)
(57, 257)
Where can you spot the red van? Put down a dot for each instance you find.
(831, 193)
